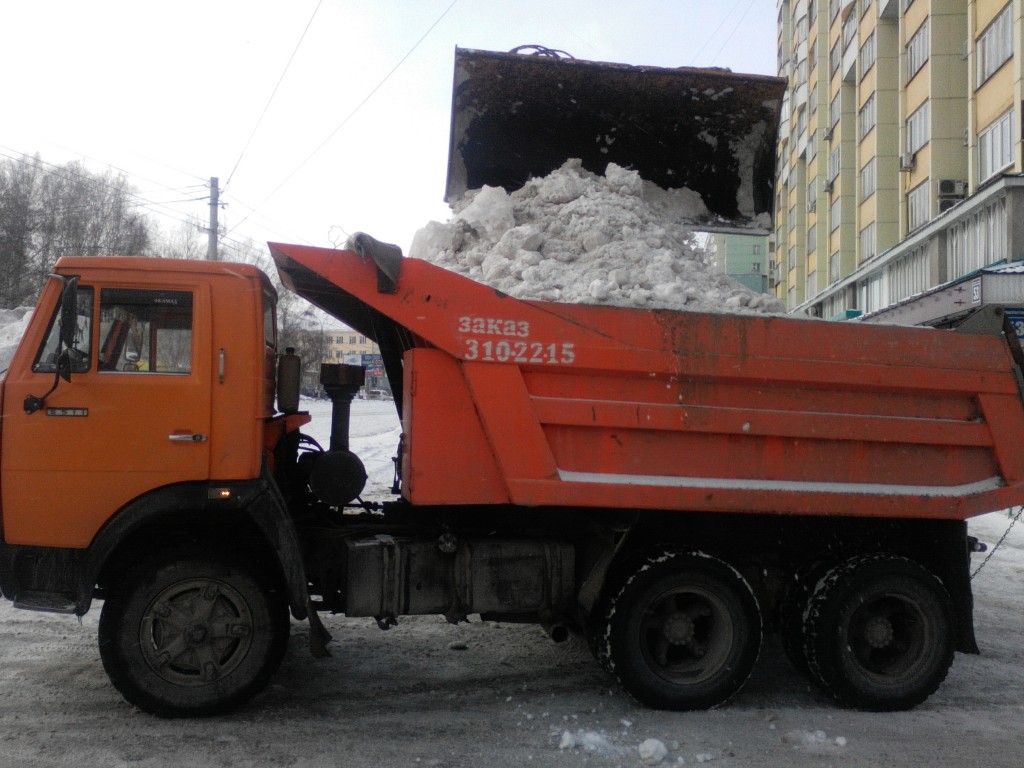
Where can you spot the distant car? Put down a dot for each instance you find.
(377, 394)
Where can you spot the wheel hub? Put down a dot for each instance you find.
(196, 634)
(878, 632)
(678, 629)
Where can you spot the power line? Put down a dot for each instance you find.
(733, 32)
(353, 113)
(273, 93)
(712, 36)
(72, 175)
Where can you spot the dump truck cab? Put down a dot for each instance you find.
(159, 393)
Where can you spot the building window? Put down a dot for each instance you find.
(835, 111)
(834, 160)
(351, 339)
(834, 6)
(908, 275)
(917, 207)
(867, 242)
(812, 12)
(867, 180)
(835, 263)
(867, 55)
(917, 51)
(866, 117)
(995, 46)
(874, 292)
(835, 57)
(791, 258)
(995, 147)
(812, 240)
(835, 214)
(978, 240)
(849, 30)
(918, 130)
(812, 101)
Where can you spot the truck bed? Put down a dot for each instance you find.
(531, 403)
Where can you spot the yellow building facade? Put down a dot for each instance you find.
(899, 157)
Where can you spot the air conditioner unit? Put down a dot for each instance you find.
(828, 134)
(946, 203)
(952, 188)
(827, 185)
(907, 161)
(812, 205)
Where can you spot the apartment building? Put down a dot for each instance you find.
(745, 258)
(899, 160)
(340, 344)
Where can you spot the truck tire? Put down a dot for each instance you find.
(880, 633)
(683, 632)
(792, 610)
(192, 636)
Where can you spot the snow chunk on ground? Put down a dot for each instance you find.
(812, 740)
(574, 236)
(652, 751)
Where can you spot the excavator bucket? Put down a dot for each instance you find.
(517, 116)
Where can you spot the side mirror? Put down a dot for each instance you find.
(67, 330)
(64, 365)
(69, 313)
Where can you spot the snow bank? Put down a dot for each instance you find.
(577, 237)
(12, 327)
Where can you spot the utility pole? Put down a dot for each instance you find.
(211, 250)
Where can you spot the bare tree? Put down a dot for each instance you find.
(185, 241)
(48, 211)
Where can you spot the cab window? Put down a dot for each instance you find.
(144, 331)
(46, 357)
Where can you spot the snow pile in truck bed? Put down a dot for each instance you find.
(577, 237)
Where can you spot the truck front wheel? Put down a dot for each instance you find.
(683, 633)
(880, 633)
(190, 636)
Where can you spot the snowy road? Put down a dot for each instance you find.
(373, 436)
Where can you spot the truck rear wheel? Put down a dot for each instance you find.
(880, 633)
(684, 632)
(792, 609)
(192, 636)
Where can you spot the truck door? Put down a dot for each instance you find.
(134, 417)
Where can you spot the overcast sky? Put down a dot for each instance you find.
(355, 137)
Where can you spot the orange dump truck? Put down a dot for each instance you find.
(670, 485)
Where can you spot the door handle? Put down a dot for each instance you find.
(186, 437)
